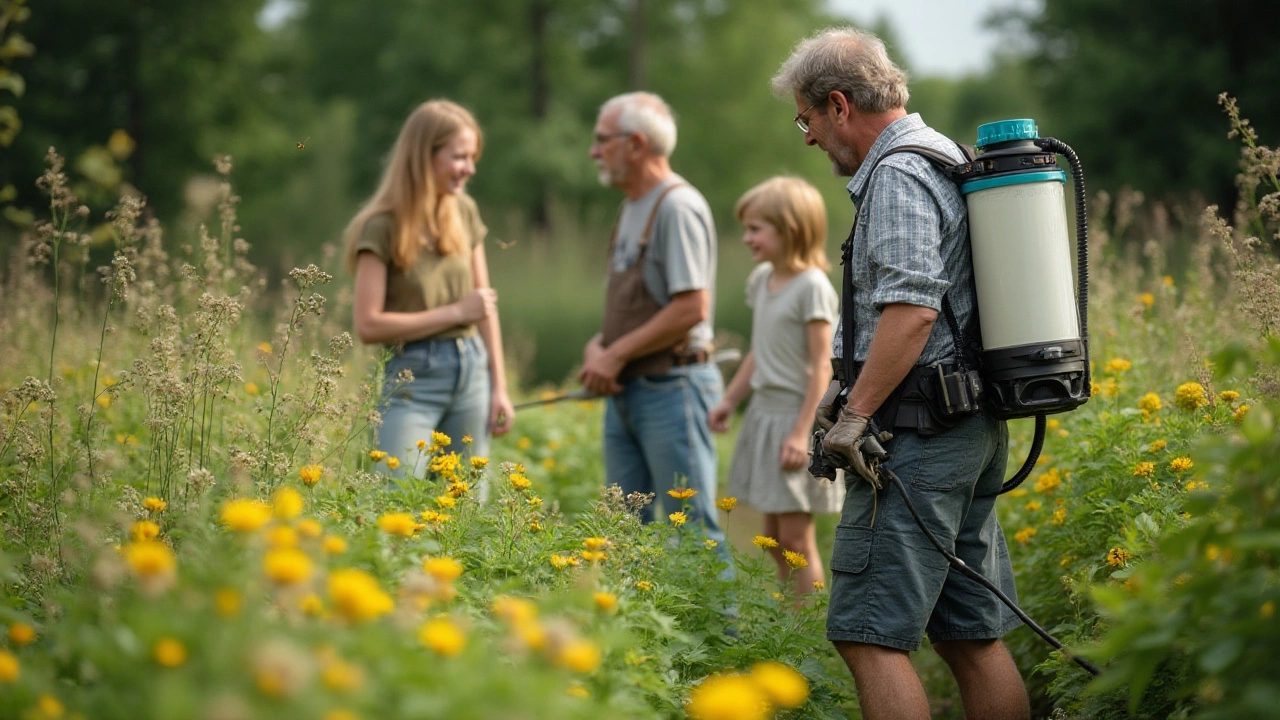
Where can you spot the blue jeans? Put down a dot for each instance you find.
(656, 433)
(449, 393)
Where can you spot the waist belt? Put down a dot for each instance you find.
(911, 405)
(690, 357)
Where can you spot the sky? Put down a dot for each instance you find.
(941, 37)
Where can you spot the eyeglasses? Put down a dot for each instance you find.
(801, 121)
(602, 138)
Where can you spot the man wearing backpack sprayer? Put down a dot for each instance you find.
(907, 261)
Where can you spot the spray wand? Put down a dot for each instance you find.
(727, 356)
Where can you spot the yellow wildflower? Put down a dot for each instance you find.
(251, 388)
(1180, 464)
(1059, 516)
(264, 347)
(785, 687)
(1144, 469)
(1049, 481)
(311, 605)
(1190, 396)
(169, 652)
(1267, 610)
(1110, 388)
(764, 543)
(595, 543)
(421, 445)
(457, 488)
(286, 566)
(710, 544)
(524, 443)
(592, 556)
(682, 493)
(245, 515)
(549, 463)
(1147, 299)
(443, 569)
(333, 545)
(1228, 396)
(377, 455)
(341, 676)
(1150, 402)
(644, 585)
(514, 610)
(282, 537)
(520, 482)
(479, 463)
(728, 697)
(309, 529)
(606, 601)
(287, 503)
(443, 636)
(1116, 366)
(581, 656)
(310, 474)
(1157, 445)
(150, 558)
(10, 668)
(1167, 280)
(399, 523)
(226, 602)
(561, 562)
(678, 518)
(576, 690)
(393, 462)
(1033, 505)
(1118, 556)
(795, 559)
(154, 505)
(356, 595)
(535, 502)
(727, 504)
(1196, 485)
(103, 400)
(1240, 412)
(1024, 535)
(440, 439)
(467, 439)
(21, 634)
(144, 530)
(819, 585)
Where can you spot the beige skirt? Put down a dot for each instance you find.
(756, 478)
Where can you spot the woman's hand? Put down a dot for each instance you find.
(718, 418)
(794, 453)
(502, 415)
(478, 305)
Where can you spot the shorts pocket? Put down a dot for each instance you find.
(852, 549)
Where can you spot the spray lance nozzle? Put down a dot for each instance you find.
(727, 356)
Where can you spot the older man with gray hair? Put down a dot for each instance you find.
(906, 260)
(651, 356)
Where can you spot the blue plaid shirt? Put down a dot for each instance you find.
(911, 244)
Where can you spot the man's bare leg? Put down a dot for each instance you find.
(888, 687)
(990, 684)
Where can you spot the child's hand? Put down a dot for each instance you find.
(718, 418)
(794, 453)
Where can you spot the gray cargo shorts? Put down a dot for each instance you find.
(889, 584)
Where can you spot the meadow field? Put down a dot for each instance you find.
(194, 525)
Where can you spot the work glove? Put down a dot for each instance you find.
(825, 416)
(844, 442)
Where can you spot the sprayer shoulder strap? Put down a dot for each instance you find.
(945, 164)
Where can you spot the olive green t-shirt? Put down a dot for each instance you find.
(436, 280)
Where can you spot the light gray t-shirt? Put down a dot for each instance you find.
(780, 326)
(682, 247)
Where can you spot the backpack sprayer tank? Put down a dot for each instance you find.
(1035, 357)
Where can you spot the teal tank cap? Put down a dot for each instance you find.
(1006, 130)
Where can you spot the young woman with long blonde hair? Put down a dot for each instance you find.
(422, 289)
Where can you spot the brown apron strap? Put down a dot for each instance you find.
(653, 214)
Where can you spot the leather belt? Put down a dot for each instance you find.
(689, 358)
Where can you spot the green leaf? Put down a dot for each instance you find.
(15, 47)
(1221, 654)
(12, 82)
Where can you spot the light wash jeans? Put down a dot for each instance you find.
(449, 393)
(655, 433)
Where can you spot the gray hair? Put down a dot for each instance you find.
(848, 60)
(647, 114)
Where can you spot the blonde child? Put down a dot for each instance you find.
(787, 370)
